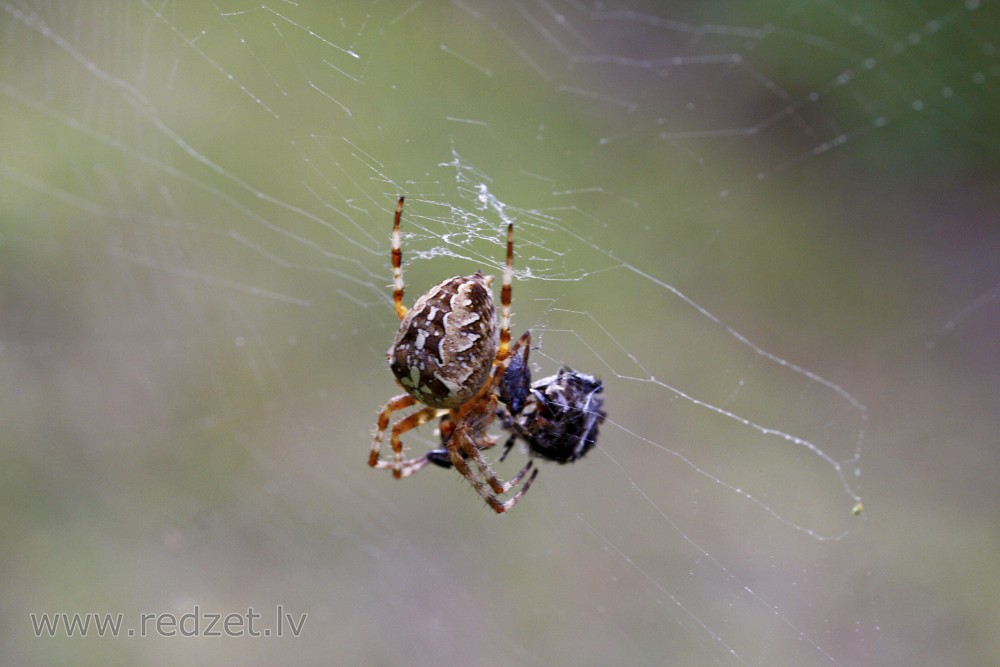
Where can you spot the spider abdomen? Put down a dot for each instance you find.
(443, 352)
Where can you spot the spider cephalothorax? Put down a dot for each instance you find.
(450, 359)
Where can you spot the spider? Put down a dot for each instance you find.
(557, 416)
(449, 359)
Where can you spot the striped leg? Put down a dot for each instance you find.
(397, 263)
(505, 290)
(400, 467)
(461, 448)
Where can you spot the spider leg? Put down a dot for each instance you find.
(397, 263)
(507, 446)
(441, 456)
(404, 467)
(525, 342)
(484, 488)
(510, 502)
(462, 448)
(447, 426)
(400, 467)
(470, 451)
(508, 278)
(395, 403)
(469, 424)
(498, 486)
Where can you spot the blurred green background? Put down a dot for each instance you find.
(771, 229)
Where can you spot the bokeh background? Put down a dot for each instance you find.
(771, 228)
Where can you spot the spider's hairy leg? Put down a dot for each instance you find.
(400, 468)
(447, 426)
(505, 290)
(507, 446)
(463, 447)
(397, 263)
(484, 488)
(510, 502)
(525, 342)
(395, 403)
(498, 486)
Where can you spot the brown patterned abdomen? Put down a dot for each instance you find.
(446, 344)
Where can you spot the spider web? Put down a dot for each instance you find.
(730, 213)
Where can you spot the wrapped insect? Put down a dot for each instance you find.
(560, 418)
